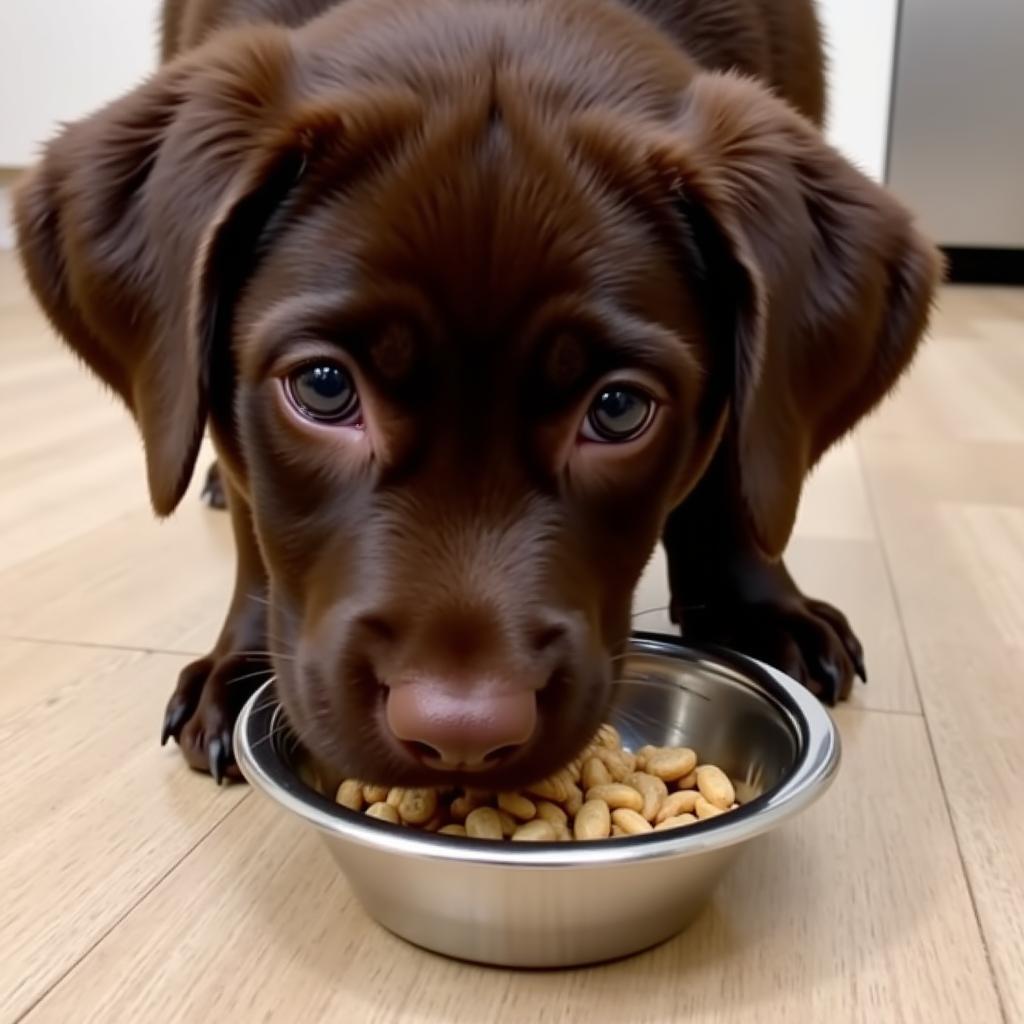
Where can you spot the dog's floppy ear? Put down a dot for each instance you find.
(127, 225)
(828, 285)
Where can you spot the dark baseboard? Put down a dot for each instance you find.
(985, 266)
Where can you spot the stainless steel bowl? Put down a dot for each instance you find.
(560, 904)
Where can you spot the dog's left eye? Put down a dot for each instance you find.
(620, 412)
(324, 392)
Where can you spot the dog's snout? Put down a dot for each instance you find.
(462, 729)
(548, 636)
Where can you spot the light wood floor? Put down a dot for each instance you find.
(132, 890)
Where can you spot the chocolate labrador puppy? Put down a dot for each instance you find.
(479, 299)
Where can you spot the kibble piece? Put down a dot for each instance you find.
(671, 763)
(508, 823)
(395, 795)
(460, 807)
(573, 801)
(617, 795)
(536, 831)
(652, 789)
(614, 761)
(595, 773)
(562, 833)
(435, 823)
(375, 794)
(608, 736)
(385, 812)
(675, 822)
(593, 821)
(617, 832)
(630, 821)
(549, 789)
(350, 795)
(551, 812)
(641, 756)
(688, 781)
(517, 805)
(715, 786)
(418, 806)
(452, 830)
(705, 809)
(675, 804)
(483, 823)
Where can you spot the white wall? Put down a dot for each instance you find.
(860, 39)
(61, 59)
(7, 179)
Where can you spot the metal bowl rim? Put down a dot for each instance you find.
(817, 761)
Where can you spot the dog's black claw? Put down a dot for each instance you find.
(832, 681)
(219, 756)
(858, 667)
(218, 762)
(174, 722)
(212, 493)
(856, 654)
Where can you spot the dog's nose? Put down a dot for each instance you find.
(465, 730)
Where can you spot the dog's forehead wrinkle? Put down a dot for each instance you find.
(480, 219)
(486, 218)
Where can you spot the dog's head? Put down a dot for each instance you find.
(468, 297)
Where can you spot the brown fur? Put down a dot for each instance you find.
(481, 207)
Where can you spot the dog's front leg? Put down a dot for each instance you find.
(211, 691)
(726, 591)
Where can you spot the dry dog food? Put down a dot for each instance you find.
(606, 792)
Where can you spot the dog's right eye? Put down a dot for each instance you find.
(325, 392)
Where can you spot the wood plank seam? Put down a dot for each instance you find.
(96, 645)
(951, 819)
(119, 920)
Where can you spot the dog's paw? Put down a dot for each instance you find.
(201, 713)
(213, 493)
(774, 622)
(808, 640)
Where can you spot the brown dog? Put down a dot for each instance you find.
(479, 299)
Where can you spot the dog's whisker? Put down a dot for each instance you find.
(268, 701)
(267, 654)
(621, 656)
(650, 611)
(274, 733)
(280, 641)
(267, 672)
(638, 717)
